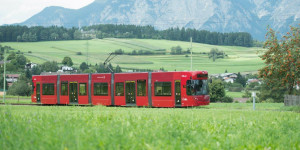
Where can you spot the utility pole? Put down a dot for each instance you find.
(191, 53)
(4, 76)
(87, 52)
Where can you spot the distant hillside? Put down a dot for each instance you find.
(240, 59)
(251, 16)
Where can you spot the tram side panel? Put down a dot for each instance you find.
(74, 89)
(163, 89)
(131, 89)
(101, 89)
(48, 88)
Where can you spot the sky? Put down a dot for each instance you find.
(16, 11)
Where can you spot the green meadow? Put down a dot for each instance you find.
(240, 59)
(217, 126)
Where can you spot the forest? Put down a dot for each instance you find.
(16, 33)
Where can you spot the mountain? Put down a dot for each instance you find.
(251, 16)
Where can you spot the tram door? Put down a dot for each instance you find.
(38, 92)
(73, 92)
(130, 92)
(177, 93)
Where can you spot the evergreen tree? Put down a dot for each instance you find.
(28, 74)
(240, 79)
(118, 69)
(101, 69)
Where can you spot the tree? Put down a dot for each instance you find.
(21, 60)
(134, 52)
(28, 74)
(213, 54)
(282, 60)
(54, 36)
(67, 61)
(101, 69)
(49, 66)
(240, 79)
(77, 35)
(176, 50)
(36, 70)
(118, 69)
(276, 93)
(19, 88)
(1, 82)
(66, 36)
(84, 66)
(11, 56)
(216, 90)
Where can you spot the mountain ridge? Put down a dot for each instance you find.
(251, 16)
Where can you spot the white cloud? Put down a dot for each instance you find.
(16, 11)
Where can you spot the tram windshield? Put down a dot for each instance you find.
(197, 87)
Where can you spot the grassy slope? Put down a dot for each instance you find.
(240, 58)
(218, 126)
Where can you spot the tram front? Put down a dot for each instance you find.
(197, 90)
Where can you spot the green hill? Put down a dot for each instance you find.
(240, 59)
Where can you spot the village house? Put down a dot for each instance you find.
(253, 81)
(30, 65)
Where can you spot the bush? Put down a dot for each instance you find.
(235, 87)
(216, 90)
(256, 88)
(30, 52)
(78, 53)
(270, 100)
(227, 99)
(247, 94)
(20, 88)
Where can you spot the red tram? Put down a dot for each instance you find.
(156, 89)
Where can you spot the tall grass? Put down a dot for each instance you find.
(32, 127)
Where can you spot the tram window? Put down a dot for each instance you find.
(119, 89)
(197, 87)
(141, 88)
(162, 88)
(48, 89)
(64, 88)
(101, 89)
(82, 89)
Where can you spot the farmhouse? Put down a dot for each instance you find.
(66, 68)
(11, 78)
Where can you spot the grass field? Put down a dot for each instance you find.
(241, 59)
(235, 94)
(217, 126)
